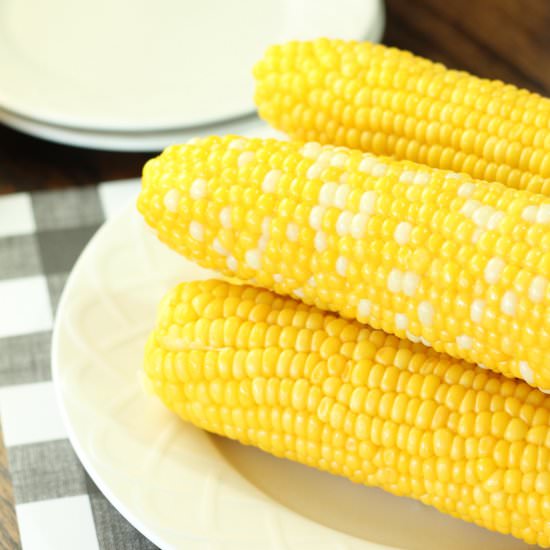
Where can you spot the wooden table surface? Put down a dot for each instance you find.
(504, 39)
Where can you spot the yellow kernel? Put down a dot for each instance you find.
(442, 441)
(516, 430)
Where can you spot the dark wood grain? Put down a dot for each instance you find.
(28, 163)
(9, 533)
(504, 39)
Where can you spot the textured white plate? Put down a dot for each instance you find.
(178, 485)
(135, 65)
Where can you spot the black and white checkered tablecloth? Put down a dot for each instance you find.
(41, 235)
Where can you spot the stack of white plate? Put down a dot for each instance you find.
(137, 75)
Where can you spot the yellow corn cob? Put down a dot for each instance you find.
(337, 395)
(388, 101)
(418, 252)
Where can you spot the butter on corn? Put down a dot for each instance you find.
(331, 393)
(428, 255)
(388, 101)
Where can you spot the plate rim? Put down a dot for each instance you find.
(140, 142)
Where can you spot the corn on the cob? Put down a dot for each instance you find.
(418, 252)
(337, 395)
(388, 101)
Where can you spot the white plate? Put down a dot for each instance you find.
(134, 141)
(178, 485)
(127, 65)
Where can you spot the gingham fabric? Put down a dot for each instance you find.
(41, 235)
